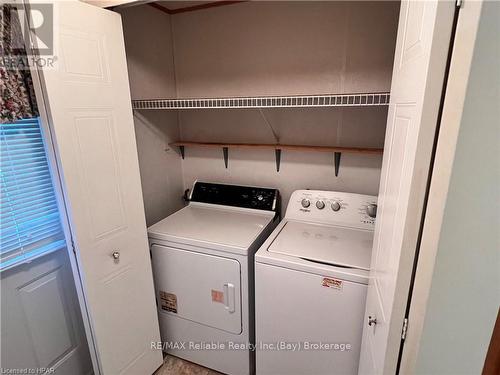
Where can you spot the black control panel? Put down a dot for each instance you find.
(237, 196)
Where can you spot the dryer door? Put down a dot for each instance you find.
(199, 287)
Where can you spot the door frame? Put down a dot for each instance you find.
(452, 112)
(56, 172)
(451, 115)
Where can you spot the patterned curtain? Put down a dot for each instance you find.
(17, 99)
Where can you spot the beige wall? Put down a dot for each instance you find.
(160, 167)
(285, 47)
(262, 48)
(148, 46)
(299, 170)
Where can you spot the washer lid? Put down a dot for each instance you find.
(339, 246)
(201, 224)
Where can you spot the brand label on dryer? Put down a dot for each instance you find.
(168, 301)
(331, 283)
(217, 296)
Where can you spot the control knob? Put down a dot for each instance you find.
(371, 210)
(305, 202)
(320, 205)
(335, 206)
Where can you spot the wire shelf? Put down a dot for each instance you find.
(343, 100)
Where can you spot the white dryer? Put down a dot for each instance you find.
(311, 279)
(203, 266)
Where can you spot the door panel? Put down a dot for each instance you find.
(83, 56)
(419, 68)
(390, 212)
(203, 288)
(40, 314)
(96, 156)
(91, 121)
(43, 298)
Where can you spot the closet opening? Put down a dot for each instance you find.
(287, 94)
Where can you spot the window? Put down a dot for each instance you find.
(29, 222)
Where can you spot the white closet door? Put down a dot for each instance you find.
(91, 120)
(419, 67)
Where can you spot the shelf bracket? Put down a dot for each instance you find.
(181, 149)
(278, 159)
(337, 162)
(225, 152)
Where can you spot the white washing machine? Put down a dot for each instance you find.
(203, 266)
(311, 278)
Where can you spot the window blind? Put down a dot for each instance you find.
(29, 222)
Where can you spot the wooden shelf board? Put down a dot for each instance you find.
(350, 150)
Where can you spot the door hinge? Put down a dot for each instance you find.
(73, 246)
(459, 3)
(405, 329)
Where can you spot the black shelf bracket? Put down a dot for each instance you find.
(336, 157)
(225, 152)
(181, 149)
(278, 159)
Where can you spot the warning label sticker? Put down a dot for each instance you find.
(168, 301)
(331, 283)
(217, 296)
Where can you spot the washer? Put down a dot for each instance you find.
(311, 279)
(203, 266)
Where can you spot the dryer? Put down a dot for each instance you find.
(311, 279)
(203, 266)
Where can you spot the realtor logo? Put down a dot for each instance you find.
(36, 21)
(39, 20)
(27, 36)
